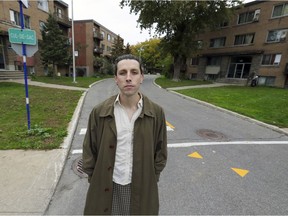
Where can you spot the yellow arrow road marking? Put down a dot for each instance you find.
(170, 125)
(240, 172)
(195, 155)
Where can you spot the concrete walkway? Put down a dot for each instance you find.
(201, 86)
(45, 85)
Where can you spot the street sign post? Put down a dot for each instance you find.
(25, 3)
(30, 50)
(22, 36)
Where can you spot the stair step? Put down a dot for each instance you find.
(7, 75)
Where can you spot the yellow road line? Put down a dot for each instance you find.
(170, 125)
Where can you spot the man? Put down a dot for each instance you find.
(125, 148)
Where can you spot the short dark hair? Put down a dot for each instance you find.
(127, 57)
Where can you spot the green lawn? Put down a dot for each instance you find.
(80, 81)
(266, 104)
(51, 111)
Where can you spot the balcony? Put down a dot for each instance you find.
(98, 35)
(63, 20)
(98, 50)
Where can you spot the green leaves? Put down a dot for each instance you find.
(54, 49)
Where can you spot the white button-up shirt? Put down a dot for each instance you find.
(122, 173)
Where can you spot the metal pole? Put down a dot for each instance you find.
(73, 44)
(25, 67)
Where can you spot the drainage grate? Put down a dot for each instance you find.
(210, 134)
(77, 168)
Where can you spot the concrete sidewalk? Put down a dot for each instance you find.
(45, 85)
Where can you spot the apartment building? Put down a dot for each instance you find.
(254, 42)
(35, 17)
(91, 40)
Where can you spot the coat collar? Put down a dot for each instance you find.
(108, 107)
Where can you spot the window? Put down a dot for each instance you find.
(244, 39)
(195, 61)
(59, 13)
(248, 17)
(266, 80)
(214, 60)
(217, 42)
(271, 59)
(223, 24)
(280, 10)
(103, 34)
(277, 35)
(108, 37)
(15, 19)
(43, 5)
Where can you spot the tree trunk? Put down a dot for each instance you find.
(54, 70)
(177, 67)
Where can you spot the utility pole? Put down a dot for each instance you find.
(73, 45)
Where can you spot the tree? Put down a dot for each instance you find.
(152, 56)
(127, 49)
(180, 22)
(117, 48)
(54, 45)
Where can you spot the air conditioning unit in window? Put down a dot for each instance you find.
(283, 35)
(256, 15)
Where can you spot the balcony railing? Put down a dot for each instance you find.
(98, 35)
(64, 20)
(98, 50)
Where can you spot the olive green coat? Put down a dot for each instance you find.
(149, 158)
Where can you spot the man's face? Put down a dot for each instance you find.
(128, 77)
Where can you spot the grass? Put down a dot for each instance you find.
(266, 104)
(168, 83)
(83, 82)
(50, 110)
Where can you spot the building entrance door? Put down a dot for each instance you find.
(2, 60)
(239, 67)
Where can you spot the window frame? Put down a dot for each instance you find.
(15, 17)
(271, 59)
(250, 16)
(194, 61)
(222, 42)
(243, 37)
(43, 5)
(278, 36)
(283, 5)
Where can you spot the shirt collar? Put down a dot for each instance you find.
(139, 104)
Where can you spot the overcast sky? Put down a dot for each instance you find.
(109, 14)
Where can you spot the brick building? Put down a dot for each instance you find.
(35, 17)
(253, 42)
(91, 40)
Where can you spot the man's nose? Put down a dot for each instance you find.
(128, 78)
